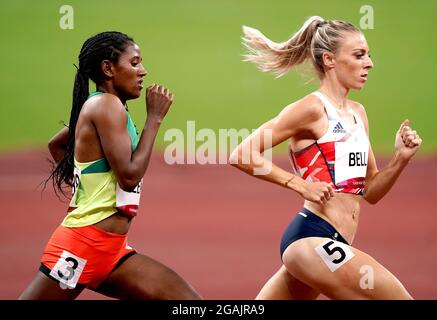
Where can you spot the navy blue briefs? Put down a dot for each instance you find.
(307, 224)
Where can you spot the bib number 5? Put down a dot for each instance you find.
(334, 253)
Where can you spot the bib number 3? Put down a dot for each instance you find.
(68, 269)
(334, 253)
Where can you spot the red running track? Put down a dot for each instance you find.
(217, 227)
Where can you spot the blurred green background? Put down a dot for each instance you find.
(194, 48)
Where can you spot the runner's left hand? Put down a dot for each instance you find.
(407, 141)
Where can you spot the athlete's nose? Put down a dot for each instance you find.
(368, 64)
(143, 72)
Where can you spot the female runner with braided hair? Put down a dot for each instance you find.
(102, 159)
(333, 161)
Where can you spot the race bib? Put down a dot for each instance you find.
(128, 202)
(68, 270)
(75, 187)
(334, 253)
(351, 155)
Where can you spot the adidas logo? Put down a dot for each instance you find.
(339, 128)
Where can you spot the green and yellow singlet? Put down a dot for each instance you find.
(96, 193)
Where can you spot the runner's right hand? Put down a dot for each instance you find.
(158, 101)
(319, 192)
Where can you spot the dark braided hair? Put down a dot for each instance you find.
(103, 46)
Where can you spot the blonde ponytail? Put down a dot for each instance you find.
(314, 37)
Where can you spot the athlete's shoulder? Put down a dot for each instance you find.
(356, 106)
(103, 106)
(106, 101)
(308, 106)
(105, 110)
(359, 109)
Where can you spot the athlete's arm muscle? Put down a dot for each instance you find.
(111, 124)
(379, 182)
(292, 120)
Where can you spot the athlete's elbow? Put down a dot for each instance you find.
(371, 199)
(128, 184)
(53, 145)
(234, 158)
(56, 151)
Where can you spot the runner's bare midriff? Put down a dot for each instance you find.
(117, 223)
(341, 211)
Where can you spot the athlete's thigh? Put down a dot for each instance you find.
(340, 271)
(44, 288)
(283, 286)
(141, 277)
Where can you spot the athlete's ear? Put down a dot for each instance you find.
(328, 60)
(107, 68)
